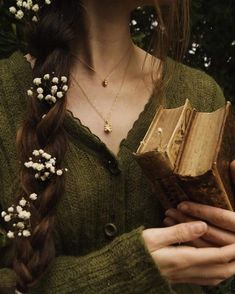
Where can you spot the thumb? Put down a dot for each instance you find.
(181, 233)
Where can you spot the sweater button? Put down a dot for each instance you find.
(113, 167)
(110, 230)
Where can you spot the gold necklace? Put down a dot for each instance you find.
(104, 80)
(107, 122)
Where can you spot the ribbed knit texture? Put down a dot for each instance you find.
(101, 188)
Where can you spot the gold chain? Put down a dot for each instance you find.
(107, 123)
(104, 80)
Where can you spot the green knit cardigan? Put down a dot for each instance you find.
(107, 202)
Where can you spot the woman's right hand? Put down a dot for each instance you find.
(185, 264)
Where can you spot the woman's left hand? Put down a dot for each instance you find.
(221, 222)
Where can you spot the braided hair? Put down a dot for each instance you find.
(51, 42)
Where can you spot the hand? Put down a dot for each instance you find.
(185, 264)
(221, 223)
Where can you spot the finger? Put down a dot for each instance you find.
(179, 216)
(218, 236)
(183, 257)
(201, 282)
(219, 217)
(232, 170)
(213, 235)
(199, 243)
(168, 221)
(214, 271)
(176, 234)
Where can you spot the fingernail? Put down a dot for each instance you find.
(183, 206)
(199, 227)
(169, 212)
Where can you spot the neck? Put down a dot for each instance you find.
(106, 36)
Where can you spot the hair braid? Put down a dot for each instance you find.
(50, 43)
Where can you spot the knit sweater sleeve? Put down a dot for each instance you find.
(120, 267)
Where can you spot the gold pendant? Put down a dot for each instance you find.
(105, 83)
(107, 127)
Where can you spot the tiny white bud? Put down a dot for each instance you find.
(20, 225)
(37, 81)
(40, 96)
(55, 80)
(64, 79)
(22, 202)
(12, 9)
(7, 218)
(46, 77)
(59, 172)
(35, 8)
(3, 213)
(36, 153)
(19, 208)
(53, 99)
(26, 233)
(34, 18)
(59, 94)
(33, 196)
(10, 235)
(10, 209)
(30, 93)
(39, 90)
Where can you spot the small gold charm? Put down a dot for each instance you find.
(107, 127)
(105, 83)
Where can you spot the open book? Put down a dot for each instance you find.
(186, 155)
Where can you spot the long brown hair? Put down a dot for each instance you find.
(51, 41)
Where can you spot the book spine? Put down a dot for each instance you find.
(169, 192)
(155, 164)
(205, 189)
(225, 153)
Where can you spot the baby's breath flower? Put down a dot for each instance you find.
(22, 202)
(37, 81)
(64, 79)
(12, 9)
(33, 196)
(29, 7)
(40, 90)
(59, 94)
(30, 93)
(19, 217)
(34, 18)
(49, 88)
(26, 233)
(7, 218)
(59, 172)
(10, 235)
(55, 80)
(44, 166)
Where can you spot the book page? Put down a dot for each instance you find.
(200, 146)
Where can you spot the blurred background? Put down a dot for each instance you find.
(211, 48)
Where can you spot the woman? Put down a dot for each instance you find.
(99, 231)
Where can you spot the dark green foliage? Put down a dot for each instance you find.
(212, 36)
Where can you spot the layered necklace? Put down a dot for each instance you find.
(107, 119)
(104, 80)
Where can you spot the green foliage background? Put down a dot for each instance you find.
(212, 44)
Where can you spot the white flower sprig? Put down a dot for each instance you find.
(19, 215)
(27, 7)
(49, 88)
(44, 166)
